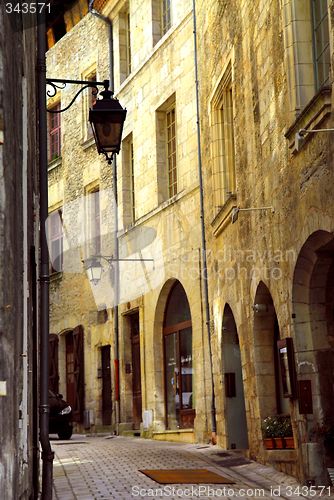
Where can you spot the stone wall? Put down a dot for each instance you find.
(262, 246)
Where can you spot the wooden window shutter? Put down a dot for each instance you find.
(53, 357)
(79, 386)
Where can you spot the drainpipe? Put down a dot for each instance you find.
(44, 408)
(111, 50)
(116, 262)
(205, 269)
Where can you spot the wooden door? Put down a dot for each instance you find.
(75, 372)
(106, 386)
(79, 386)
(69, 370)
(136, 372)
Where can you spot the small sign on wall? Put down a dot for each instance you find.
(305, 397)
(230, 389)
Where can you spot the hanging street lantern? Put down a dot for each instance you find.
(107, 118)
(94, 270)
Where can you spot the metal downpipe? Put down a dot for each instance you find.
(111, 48)
(44, 408)
(205, 269)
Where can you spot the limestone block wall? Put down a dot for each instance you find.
(162, 74)
(261, 246)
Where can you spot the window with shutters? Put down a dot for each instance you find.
(55, 225)
(55, 133)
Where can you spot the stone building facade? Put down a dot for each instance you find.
(271, 271)
(158, 219)
(19, 244)
(264, 74)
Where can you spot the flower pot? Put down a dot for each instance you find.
(270, 443)
(289, 442)
(280, 443)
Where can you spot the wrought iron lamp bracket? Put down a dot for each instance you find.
(58, 84)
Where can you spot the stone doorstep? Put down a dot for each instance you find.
(177, 435)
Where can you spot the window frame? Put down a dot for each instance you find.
(166, 15)
(54, 130)
(96, 222)
(171, 151)
(325, 48)
(223, 143)
(56, 214)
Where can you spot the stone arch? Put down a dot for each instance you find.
(173, 349)
(236, 422)
(313, 306)
(266, 334)
(158, 351)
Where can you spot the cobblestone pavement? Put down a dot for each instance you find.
(104, 468)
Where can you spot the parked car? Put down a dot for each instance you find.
(60, 421)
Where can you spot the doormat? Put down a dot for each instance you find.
(186, 476)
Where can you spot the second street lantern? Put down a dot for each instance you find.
(107, 118)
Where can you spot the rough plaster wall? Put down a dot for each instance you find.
(15, 477)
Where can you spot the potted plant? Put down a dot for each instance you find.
(277, 432)
(268, 432)
(322, 433)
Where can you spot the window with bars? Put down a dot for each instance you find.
(56, 241)
(171, 151)
(55, 143)
(320, 42)
(166, 15)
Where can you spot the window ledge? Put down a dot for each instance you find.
(54, 163)
(88, 143)
(56, 276)
(224, 216)
(317, 110)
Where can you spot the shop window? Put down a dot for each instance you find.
(178, 361)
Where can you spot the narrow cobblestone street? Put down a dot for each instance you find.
(103, 468)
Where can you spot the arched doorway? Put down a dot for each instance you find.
(313, 309)
(178, 361)
(236, 423)
(267, 366)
